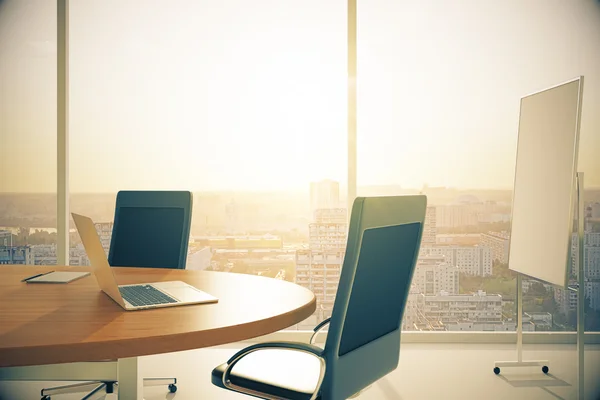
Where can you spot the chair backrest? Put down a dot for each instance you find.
(363, 343)
(151, 229)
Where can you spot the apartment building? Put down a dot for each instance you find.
(429, 227)
(318, 267)
(469, 260)
(591, 255)
(565, 299)
(104, 230)
(21, 255)
(45, 254)
(324, 194)
(434, 275)
(456, 215)
(319, 271)
(458, 239)
(498, 242)
(474, 308)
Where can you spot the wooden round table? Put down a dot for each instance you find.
(64, 323)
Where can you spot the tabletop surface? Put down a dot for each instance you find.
(57, 323)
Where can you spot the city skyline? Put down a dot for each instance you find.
(343, 189)
(463, 257)
(213, 105)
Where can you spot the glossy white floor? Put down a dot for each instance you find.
(426, 371)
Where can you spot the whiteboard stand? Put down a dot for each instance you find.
(580, 306)
(520, 363)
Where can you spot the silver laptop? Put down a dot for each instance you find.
(138, 296)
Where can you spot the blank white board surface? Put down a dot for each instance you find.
(544, 189)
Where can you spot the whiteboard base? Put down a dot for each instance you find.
(520, 363)
(510, 364)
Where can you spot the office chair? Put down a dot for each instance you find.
(151, 229)
(363, 342)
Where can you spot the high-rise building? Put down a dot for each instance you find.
(329, 231)
(319, 271)
(331, 215)
(591, 255)
(20, 255)
(458, 239)
(593, 211)
(429, 228)
(456, 215)
(591, 269)
(469, 260)
(592, 293)
(318, 267)
(592, 216)
(414, 305)
(6, 238)
(498, 242)
(45, 254)
(324, 194)
(566, 299)
(434, 275)
(104, 230)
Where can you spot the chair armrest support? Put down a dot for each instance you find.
(295, 346)
(318, 329)
(278, 345)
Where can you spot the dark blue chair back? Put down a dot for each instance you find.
(151, 229)
(363, 343)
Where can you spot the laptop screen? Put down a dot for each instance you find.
(147, 237)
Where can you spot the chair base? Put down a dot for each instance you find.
(103, 387)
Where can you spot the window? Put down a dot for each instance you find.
(438, 107)
(27, 132)
(247, 113)
(250, 114)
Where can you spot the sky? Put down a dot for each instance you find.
(234, 95)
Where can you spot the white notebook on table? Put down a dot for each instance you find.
(58, 277)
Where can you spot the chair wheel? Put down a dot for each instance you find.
(545, 369)
(496, 370)
(46, 397)
(172, 388)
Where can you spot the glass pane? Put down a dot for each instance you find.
(438, 107)
(28, 132)
(565, 301)
(242, 103)
(591, 259)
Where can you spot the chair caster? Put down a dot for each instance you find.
(46, 397)
(545, 369)
(172, 388)
(496, 370)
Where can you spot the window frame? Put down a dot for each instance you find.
(62, 190)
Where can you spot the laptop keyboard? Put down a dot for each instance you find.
(144, 295)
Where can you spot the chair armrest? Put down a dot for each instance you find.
(295, 346)
(318, 329)
(278, 345)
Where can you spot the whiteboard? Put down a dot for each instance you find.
(543, 197)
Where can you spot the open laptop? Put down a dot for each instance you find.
(138, 296)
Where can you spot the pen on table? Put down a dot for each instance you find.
(36, 276)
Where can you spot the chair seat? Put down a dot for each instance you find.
(283, 373)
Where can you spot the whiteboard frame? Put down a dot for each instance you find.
(572, 202)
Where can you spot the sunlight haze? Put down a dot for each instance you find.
(237, 95)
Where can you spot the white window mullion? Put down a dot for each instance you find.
(62, 132)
